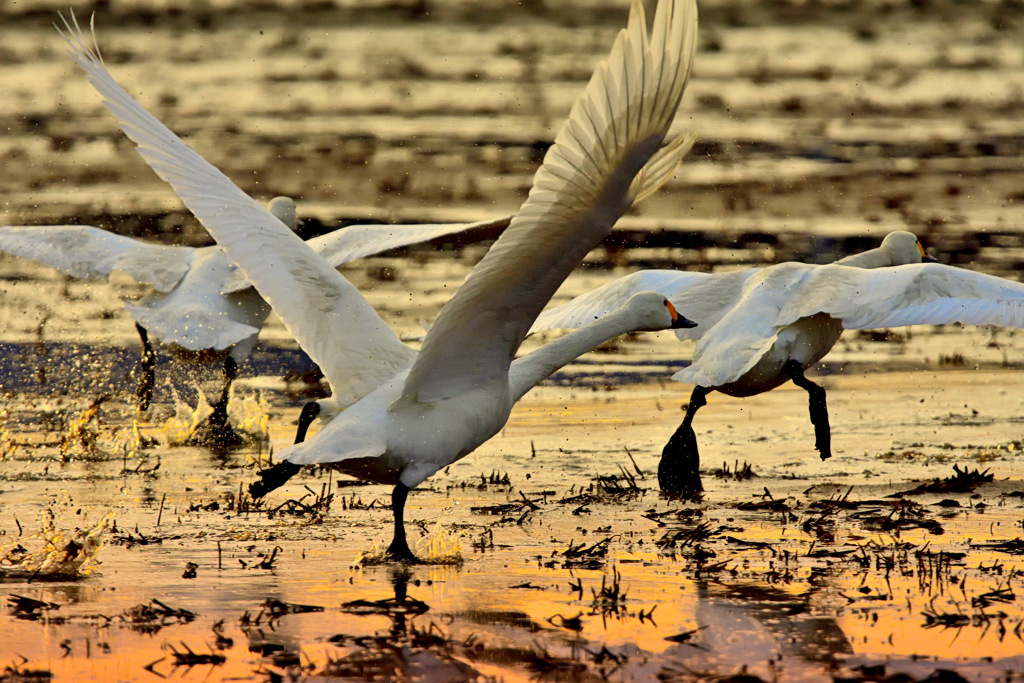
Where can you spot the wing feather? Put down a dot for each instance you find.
(660, 168)
(359, 241)
(918, 294)
(191, 325)
(84, 251)
(327, 315)
(567, 213)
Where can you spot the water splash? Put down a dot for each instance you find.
(7, 446)
(128, 441)
(186, 419)
(81, 438)
(252, 414)
(438, 547)
(61, 554)
(441, 546)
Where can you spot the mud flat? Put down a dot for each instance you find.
(820, 124)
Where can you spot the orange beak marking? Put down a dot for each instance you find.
(672, 310)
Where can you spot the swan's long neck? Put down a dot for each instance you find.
(529, 370)
(872, 258)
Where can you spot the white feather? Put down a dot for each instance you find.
(91, 253)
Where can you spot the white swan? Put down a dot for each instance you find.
(203, 308)
(760, 327)
(410, 415)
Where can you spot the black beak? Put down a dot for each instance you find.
(681, 323)
(929, 259)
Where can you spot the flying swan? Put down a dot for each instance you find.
(758, 328)
(406, 415)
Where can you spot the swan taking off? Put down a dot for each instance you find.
(410, 415)
(203, 308)
(760, 327)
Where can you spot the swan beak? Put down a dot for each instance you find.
(678, 321)
(681, 323)
(925, 258)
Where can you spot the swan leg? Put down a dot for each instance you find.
(306, 417)
(276, 476)
(818, 408)
(215, 432)
(399, 551)
(219, 417)
(144, 392)
(679, 468)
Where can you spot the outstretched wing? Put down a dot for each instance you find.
(191, 325)
(90, 253)
(702, 297)
(584, 185)
(919, 294)
(329, 318)
(358, 241)
(341, 246)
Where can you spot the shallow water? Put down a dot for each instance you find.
(821, 125)
(781, 590)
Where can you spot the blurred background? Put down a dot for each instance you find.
(822, 124)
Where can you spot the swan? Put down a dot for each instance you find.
(408, 415)
(760, 327)
(202, 309)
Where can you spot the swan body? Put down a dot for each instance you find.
(407, 414)
(374, 438)
(196, 320)
(745, 352)
(761, 327)
(187, 309)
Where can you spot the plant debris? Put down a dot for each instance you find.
(962, 481)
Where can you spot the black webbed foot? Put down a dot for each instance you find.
(215, 432)
(400, 552)
(679, 468)
(147, 379)
(273, 478)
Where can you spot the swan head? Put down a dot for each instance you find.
(903, 248)
(283, 209)
(653, 312)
